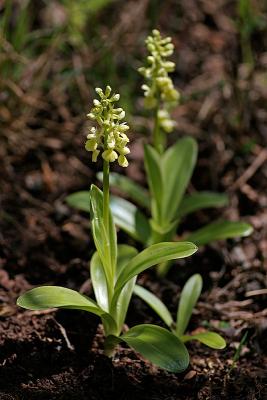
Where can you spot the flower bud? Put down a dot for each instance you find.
(110, 155)
(124, 127)
(111, 143)
(123, 161)
(95, 155)
(91, 136)
(151, 47)
(91, 145)
(115, 97)
(99, 91)
(107, 91)
(91, 115)
(169, 66)
(125, 150)
(156, 32)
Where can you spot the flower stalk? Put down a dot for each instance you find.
(108, 138)
(106, 194)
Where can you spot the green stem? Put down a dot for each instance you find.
(110, 282)
(110, 345)
(156, 132)
(106, 194)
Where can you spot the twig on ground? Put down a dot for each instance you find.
(250, 171)
(65, 336)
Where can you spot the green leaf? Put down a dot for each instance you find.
(210, 339)
(189, 296)
(155, 303)
(127, 217)
(153, 255)
(177, 165)
(99, 282)
(125, 214)
(125, 253)
(159, 346)
(155, 180)
(44, 297)
(129, 187)
(105, 241)
(198, 201)
(79, 200)
(220, 230)
(21, 30)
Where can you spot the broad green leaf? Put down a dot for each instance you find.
(155, 180)
(136, 192)
(99, 282)
(210, 339)
(159, 346)
(79, 200)
(177, 166)
(189, 296)
(200, 200)
(155, 303)
(105, 240)
(127, 217)
(220, 230)
(125, 253)
(44, 297)
(153, 255)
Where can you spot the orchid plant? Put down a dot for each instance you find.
(168, 171)
(114, 268)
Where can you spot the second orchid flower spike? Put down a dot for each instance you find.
(159, 90)
(109, 137)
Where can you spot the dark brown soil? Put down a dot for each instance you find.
(58, 354)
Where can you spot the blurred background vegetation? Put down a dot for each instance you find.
(53, 53)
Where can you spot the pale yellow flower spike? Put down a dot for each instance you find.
(109, 136)
(159, 86)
